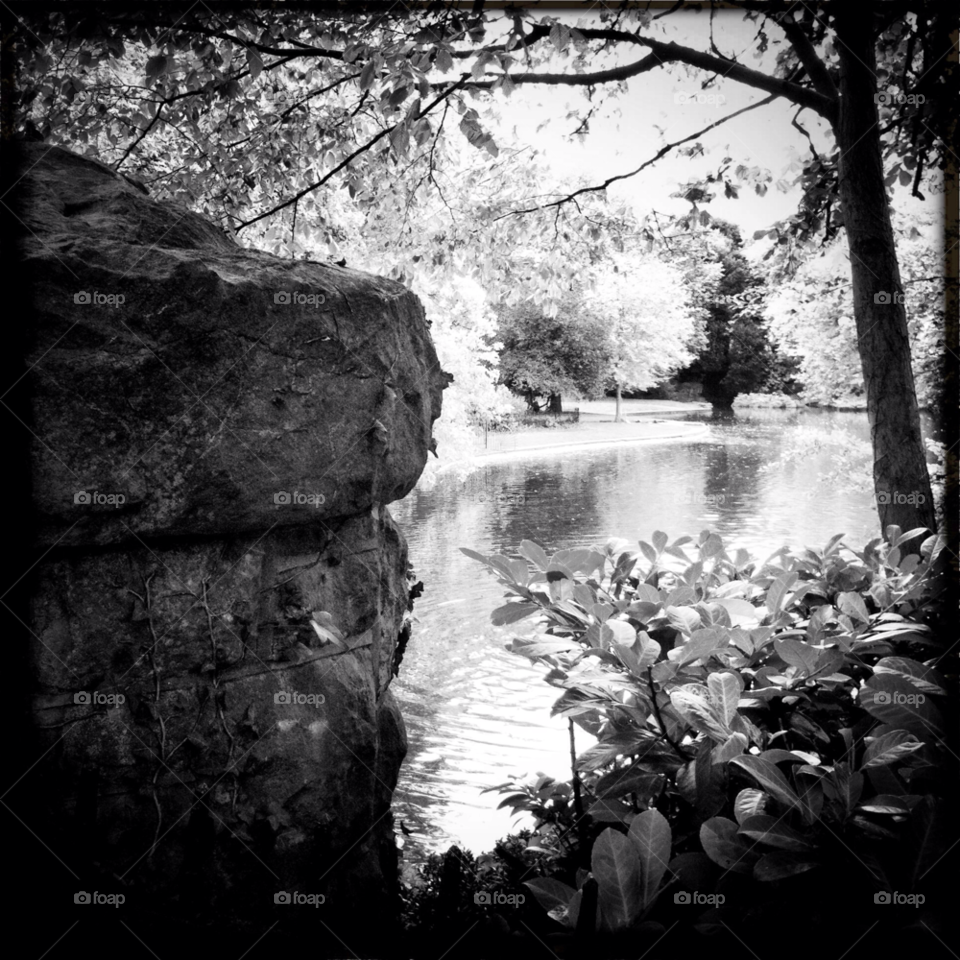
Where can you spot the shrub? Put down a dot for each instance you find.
(764, 731)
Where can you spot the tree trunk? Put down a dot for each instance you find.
(618, 418)
(900, 477)
(555, 404)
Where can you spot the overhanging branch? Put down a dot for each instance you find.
(663, 151)
(345, 162)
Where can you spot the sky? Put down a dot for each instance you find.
(659, 107)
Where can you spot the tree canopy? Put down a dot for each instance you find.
(254, 114)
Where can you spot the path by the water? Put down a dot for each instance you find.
(596, 426)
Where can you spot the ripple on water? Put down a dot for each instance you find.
(477, 715)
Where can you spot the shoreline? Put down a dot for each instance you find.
(510, 445)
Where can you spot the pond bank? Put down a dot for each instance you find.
(587, 433)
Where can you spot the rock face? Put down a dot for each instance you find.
(217, 432)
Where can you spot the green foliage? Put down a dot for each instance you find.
(735, 352)
(648, 317)
(811, 314)
(542, 356)
(779, 724)
(444, 886)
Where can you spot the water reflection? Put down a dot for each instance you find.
(476, 714)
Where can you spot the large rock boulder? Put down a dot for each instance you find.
(216, 612)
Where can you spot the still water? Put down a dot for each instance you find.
(477, 715)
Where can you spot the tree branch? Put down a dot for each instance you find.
(675, 53)
(345, 162)
(816, 68)
(625, 176)
(571, 79)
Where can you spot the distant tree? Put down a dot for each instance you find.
(648, 321)
(811, 314)
(543, 357)
(740, 355)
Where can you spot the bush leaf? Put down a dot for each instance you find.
(769, 777)
(616, 868)
(651, 834)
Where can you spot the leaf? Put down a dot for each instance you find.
(648, 551)
(473, 555)
(611, 811)
(511, 612)
(851, 603)
(909, 535)
(892, 699)
(778, 590)
(660, 540)
(254, 62)
(725, 689)
(742, 613)
(648, 593)
(156, 67)
(692, 701)
(629, 780)
(885, 803)
(931, 547)
(769, 777)
(772, 832)
(639, 656)
(444, 61)
(925, 679)
(701, 644)
(779, 866)
(616, 868)
(722, 845)
(541, 646)
(683, 619)
(733, 746)
(579, 559)
(749, 803)
(617, 632)
(889, 748)
(651, 834)
(534, 553)
(803, 656)
(550, 893)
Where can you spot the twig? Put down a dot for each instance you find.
(656, 712)
(597, 188)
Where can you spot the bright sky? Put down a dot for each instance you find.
(631, 128)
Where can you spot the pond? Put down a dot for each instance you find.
(477, 715)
